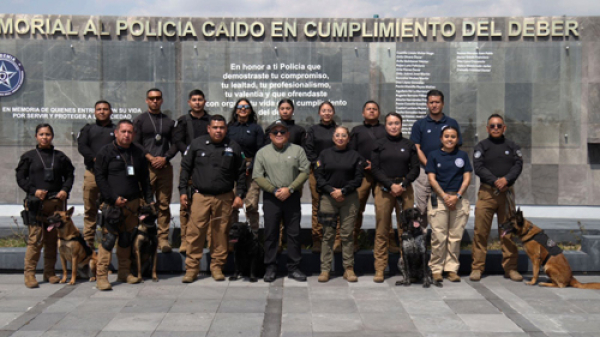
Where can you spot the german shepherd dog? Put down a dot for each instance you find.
(72, 246)
(249, 256)
(543, 251)
(413, 259)
(145, 243)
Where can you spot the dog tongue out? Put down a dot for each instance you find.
(50, 227)
(416, 224)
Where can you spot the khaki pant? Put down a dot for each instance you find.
(317, 228)
(129, 221)
(214, 212)
(162, 187)
(90, 199)
(347, 211)
(487, 204)
(385, 203)
(422, 193)
(447, 230)
(251, 201)
(39, 237)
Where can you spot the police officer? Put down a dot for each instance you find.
(187, 128)
(46, 176)
(243, 128)
(498, 162)
(395, 165)
(339, 174)
(280, 169)
(90, 139)
(154, 134)
(285, 107)
(426, 134)
(363, 140)
(215, 163)
(318, 138)
(121, 170)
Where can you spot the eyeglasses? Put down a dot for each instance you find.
(243, 106)
(278, 132)
(496, 126)
(155, 98)
(341, 135)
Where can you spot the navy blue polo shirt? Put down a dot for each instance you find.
(448, 168)
(250, 136)
(426, 132)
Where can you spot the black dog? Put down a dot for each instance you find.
(414, 262)
(249, 256)
(145, 242)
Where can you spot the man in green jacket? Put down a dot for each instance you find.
(280, 169)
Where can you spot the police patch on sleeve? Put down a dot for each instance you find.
(176, 122)
(318, 163)
(186, 150)
(477, 154)
(459, 162)
(519, 154)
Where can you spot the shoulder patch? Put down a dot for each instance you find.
(519, 153)
(186, 150)
(459, 162)
(477, 154)
(176, 122)
(318, 163)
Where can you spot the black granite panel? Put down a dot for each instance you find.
(544, 184)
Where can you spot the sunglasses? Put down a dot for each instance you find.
(243, 106)
(155, 98)
(496, 126)
(278, 132)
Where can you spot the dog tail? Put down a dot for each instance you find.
(576, 284)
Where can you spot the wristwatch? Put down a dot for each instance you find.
(459, 196)
(291, 190)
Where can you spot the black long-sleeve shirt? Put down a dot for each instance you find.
(318, 138)
(147, 126)
(297, 133)
(395, 158)
(214, 167)
(112, 177)
(339, 169)
(30, 171)
(494, 158)
(363, 138)
(250, 136)
(188, 128)
(92, 138)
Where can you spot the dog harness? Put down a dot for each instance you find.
(79, 238)
(548, 244)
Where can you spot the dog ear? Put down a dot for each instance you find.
(519, 217)
(70, 211)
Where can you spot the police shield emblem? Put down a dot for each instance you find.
(12, 74)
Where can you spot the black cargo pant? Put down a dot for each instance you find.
(274, 211)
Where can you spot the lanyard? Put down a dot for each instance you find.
(122, 156)
(154, 125)
(42, 160)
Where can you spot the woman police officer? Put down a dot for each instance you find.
(339, 172)
(46, 175)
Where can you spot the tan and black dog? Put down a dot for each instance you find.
(72, 246)
(145, 243)
(543, 251)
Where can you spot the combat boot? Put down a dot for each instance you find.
(49, 272)
(127, 277)
(190, 276)
(324, 277)
(103, 284)
(453, 277)
(514, 275)
(30, 281)
(378, 278)
(437, 277)
(349, 275)
(217, 275)
(475, 275)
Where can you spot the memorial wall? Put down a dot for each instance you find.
(541, 73)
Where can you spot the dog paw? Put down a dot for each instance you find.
(399, 283)
(63, 281)
(426, 285)
(154, 279)
(438, 284)
(407, 283)
(253, 279)
(530, 283)
(233, 278)
(92, 279)
(72, 283)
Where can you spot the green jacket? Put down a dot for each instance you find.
(275, 168)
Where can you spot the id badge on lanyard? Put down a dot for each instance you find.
(130, 170)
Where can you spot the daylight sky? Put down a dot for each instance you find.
(307, 8)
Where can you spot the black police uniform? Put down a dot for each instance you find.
(394, 161)
(154, 134)
(120, 172)
(318, 138)
(338, 169)
(90, 140)
(495, 158)
(297, 133)
(363, 139)
(50, 170)
(214, 169)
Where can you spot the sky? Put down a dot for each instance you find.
(307, 8)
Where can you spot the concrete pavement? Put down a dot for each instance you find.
(493, 307)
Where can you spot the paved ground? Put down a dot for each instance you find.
(493, 307)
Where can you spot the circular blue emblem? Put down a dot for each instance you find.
(12, 74)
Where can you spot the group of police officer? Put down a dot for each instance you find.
(128, 165)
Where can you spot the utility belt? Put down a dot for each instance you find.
(32, 212)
